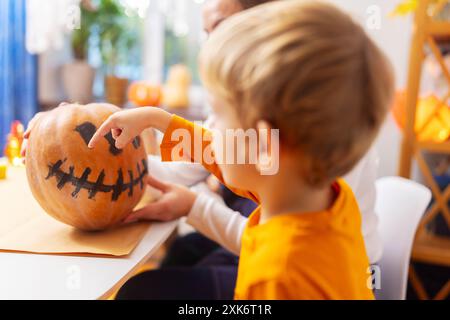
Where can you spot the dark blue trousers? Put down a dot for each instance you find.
(195, 267)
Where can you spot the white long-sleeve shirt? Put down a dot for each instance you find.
(215, 220)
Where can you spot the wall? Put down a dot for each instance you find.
(50, 88)
(393, 35)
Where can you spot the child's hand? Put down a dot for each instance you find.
(175, 202)
(127, 124)
(27, 133)
(124, 126)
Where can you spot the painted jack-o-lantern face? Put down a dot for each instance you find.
(90, 189)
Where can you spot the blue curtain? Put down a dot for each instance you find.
(18, 69)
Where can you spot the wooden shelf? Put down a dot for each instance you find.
(430, 248)
(439, 28)
(438, 147)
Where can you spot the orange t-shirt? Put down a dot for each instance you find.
(317, 255)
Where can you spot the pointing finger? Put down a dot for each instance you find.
(104, 129)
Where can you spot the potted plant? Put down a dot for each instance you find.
(118, 34)
(78, 75)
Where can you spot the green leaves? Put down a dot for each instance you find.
(81, 36)
(118, 34)
(115, 33)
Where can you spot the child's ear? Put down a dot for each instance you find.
(269, 150)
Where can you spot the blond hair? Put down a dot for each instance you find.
(247, 4)
(309, 70)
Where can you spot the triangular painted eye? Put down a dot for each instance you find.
(86, 131)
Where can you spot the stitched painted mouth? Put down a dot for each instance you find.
(54, 170)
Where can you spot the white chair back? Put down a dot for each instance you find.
(400, 205)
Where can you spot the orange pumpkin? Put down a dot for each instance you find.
(143, 94)
(90, 189)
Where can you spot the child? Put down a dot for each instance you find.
(306, 69)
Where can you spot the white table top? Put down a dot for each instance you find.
(38, 276)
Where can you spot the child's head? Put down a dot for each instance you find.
(307, 69)
(216, 11)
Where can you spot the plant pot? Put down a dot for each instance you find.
(78, 78)
(116, 90)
